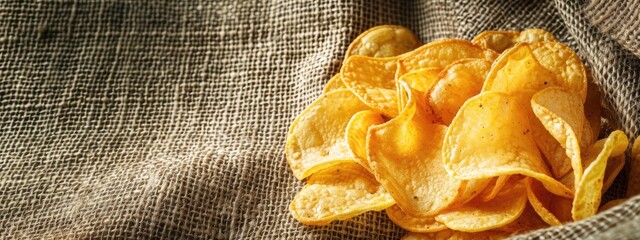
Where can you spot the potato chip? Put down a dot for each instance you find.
(534, 35)
(334, 83)
(477, 216)
(496, 40)
(494, 188)
(564, 64)
(439, 54)
(502, 40)
(562, 114)
(560, 207)
(373, 81)
(337, 193)
(421, 80)
(383, 41)
(589, 188)
(458, 82)
(405, 156)
(511, 150)
(455, 235)
(528, 221)
(528, 68)
(592, 107)
(356, 134)
(540, 200)
(611, 204)
(471, 189)
(614, 167)
(414, 224)
(316, 138)
(633, 185)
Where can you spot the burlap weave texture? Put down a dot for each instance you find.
(167, 119)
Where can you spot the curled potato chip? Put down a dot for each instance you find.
(560, 207)
(589, 188)
(421, 80)
(502, 40)
(477, 216)
(356, 134)
(414, 224)
(383, 41)
(458, 82)
(471, 189)
(316, 138)
(528, 68)
(495, 40)
(540, 200)
(611, 204)
(509, 151)
(492, 190)
(562, 114)
(337, 193)
(564, 64)
(439, 54)
(614, 167)
(448, 234)
(406, 158)
(535, 35)
(633, 185)
(528, 221)
(334, 83)
(373, 81)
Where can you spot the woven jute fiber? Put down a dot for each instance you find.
(167, 119)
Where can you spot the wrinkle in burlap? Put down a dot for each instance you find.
(146, 119)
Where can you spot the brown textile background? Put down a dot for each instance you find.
(148, 119)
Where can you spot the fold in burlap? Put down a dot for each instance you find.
(146, 119)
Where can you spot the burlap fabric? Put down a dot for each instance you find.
(167, 119)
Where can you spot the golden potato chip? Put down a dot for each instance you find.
(502, 40)
(458, 82)
(562, 114)
(439, 54)
(528, 221)
(477, 216)
(471, 189)
(383, 41)
(494, 188)
(495, 40)
(528, 68)
(611, 204)
(373, 81)
(421, 80)
(316, 138)
(511, 150)
(589, 188)
(560, 207)
(540, 200)
(405, 156)
(334, 83)
(614, 167)
(414, 224)
(633, 185)
(564, 64)
(337, 193)
(535, 35)
(455, 235)
(356, 134)
(592, 107)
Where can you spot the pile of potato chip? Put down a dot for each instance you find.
(458, 139)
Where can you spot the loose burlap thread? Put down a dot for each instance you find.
(167, 119)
